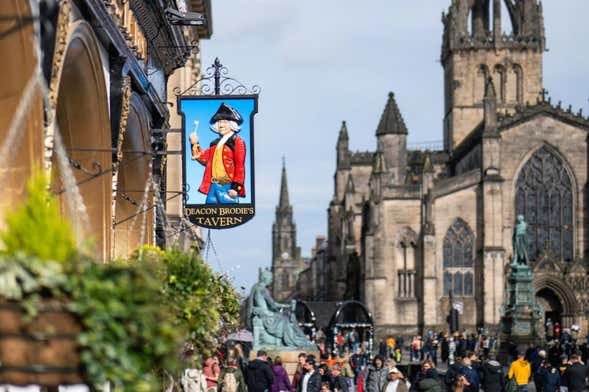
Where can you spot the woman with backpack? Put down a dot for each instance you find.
(231, 378)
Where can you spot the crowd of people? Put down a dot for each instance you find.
(468, 362)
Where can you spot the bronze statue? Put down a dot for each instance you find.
(520, 241)
(273, 328)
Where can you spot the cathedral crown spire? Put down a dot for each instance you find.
(482, 32)
(284, 200)
(391, 121)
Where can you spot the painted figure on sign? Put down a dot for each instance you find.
(224, 175)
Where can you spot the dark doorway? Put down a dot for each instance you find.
(551, 304)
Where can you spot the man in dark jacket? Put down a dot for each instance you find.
(554, 354)
(470, 374)
(358, 362)
(259, 374)
(493, 377)
(453, 373)
(311, 381)
(339, 381)
(574, 377)
(549, 377)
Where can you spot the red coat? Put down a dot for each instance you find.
(233, 159)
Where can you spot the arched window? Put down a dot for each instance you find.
(458, 260)
(519, 83)
(481, 83)
(544, 196)
(406, 271)
(500, 79)
(285, 280)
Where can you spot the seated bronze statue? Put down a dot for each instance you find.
(274, 324)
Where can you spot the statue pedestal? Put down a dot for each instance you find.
(521, 315)
(290, 358)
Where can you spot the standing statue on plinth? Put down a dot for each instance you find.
(520, 241)
(521, 316)
(274, 324)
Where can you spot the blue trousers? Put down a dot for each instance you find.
(219, 194)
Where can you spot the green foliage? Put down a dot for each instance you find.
(229, 304)
(129, 336)
(205, 303)
(136, 314)
(21, 276)
(36, 228)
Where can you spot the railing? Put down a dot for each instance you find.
(433, 145)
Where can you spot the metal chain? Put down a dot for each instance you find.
(14, 135)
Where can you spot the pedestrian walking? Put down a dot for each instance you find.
(311, 381)
(575, 375)
(396, 382)
(259, 374)
(520, 371)
(376, 375)
(536, 364)
(445, 348)
(397, 355)
(193, 380)
(339, 381)
(549, 377)
(281, 382)
(296, 378)
(325, 374)
(453, 374)
(469, 375)
(358, 362)
(211, 370)
(427, 379)
(231, 378)
(493, 377)
(549, 330)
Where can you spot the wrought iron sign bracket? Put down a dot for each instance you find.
(216, 82)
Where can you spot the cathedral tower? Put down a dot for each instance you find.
(343, 162)
(475, 48)
(391, 139)
(285, 254)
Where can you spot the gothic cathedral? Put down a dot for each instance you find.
(406, 227)
(286, 256)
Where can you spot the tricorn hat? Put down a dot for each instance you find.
(226, 112)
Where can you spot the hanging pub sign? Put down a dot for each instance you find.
(218, 155)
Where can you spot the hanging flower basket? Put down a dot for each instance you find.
(40, 351)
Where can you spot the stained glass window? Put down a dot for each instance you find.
(468, 284)
(447, 282)
(458, 260)
(544, 197)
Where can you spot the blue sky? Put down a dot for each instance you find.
(202, 110)
(321, 62)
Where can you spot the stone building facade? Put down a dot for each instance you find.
(180, 231)
(287, 262)
(407, 227)
(83, 95)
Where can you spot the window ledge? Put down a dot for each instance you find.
(405, 299)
